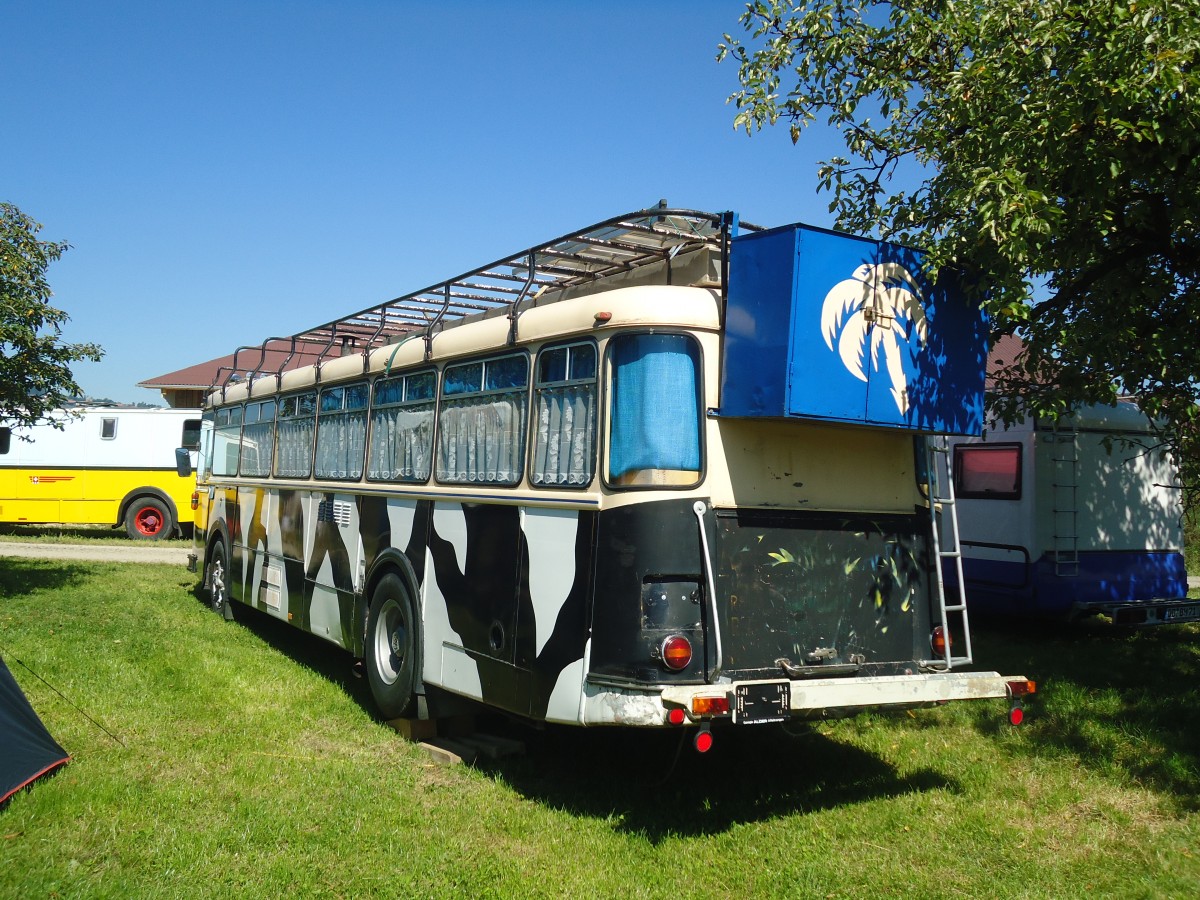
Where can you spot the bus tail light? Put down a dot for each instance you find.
(676, 652)
(940, 640)
(710, 706)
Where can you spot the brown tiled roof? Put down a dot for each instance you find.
(202, 374)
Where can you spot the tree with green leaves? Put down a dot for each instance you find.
(35, 363)
(1051, 148)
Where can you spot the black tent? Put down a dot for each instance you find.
(27, 751)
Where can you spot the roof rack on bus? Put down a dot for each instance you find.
(608, 248)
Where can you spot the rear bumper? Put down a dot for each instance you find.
(806, 699)
(1149, 612)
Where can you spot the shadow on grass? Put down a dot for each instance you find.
(325, 659)
(656, 785)
(21, 575)
(1119, 699)
(648, 782)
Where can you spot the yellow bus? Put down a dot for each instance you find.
(100, 466)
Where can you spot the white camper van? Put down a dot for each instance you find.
(1068, 519)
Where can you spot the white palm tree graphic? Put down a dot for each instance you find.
(880, 306)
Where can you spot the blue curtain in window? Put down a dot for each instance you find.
(656, 405)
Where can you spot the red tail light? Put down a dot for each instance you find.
(676, 652)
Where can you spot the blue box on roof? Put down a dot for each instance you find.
(823, 325)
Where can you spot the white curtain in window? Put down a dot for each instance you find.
(257, 444)
(295, 448)
(480, 439)
(563, 448)
(401, 444)
(341, 442)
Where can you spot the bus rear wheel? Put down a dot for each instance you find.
(391, 651)
(148, 519)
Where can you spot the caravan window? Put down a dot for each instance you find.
(988, 471)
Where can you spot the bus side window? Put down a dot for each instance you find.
(108, 429)
(402, 428)
(5, 439)
(294, 435)
(342, 432)
(481, 423)
(654, 434)
(564, 442)
(228, 440)
(258, 439)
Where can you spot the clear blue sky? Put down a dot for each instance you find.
(227, 171)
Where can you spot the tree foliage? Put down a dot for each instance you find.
(1048, 146)
(35, 373)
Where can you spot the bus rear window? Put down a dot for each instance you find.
(988, 472)
(654, 432)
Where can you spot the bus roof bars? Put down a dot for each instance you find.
(514, 311)
(620, 244)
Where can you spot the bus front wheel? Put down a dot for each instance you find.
(148, 519)
(391, 651)
(218, 581)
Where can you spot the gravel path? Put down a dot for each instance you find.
(176, 556)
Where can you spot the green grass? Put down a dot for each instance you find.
(250, 763)
(79, 534)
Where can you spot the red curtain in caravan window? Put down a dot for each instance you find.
(988, 472)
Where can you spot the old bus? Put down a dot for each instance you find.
(666, 470)
(100, 465)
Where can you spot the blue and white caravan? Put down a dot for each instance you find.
(1072, 518)
(665, 471)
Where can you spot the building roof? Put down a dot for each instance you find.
(204, 375)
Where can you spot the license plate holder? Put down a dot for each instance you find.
(758, 704)
(1182, 613)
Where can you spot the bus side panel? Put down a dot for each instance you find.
(494, 631)
(332, 566)
(556, 587)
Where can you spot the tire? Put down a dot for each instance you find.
(391, 649)
(148, 519)
(218, 581)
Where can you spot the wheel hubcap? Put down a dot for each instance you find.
(390, 633)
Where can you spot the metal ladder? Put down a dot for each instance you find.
(1065, 494)
(941, 498)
